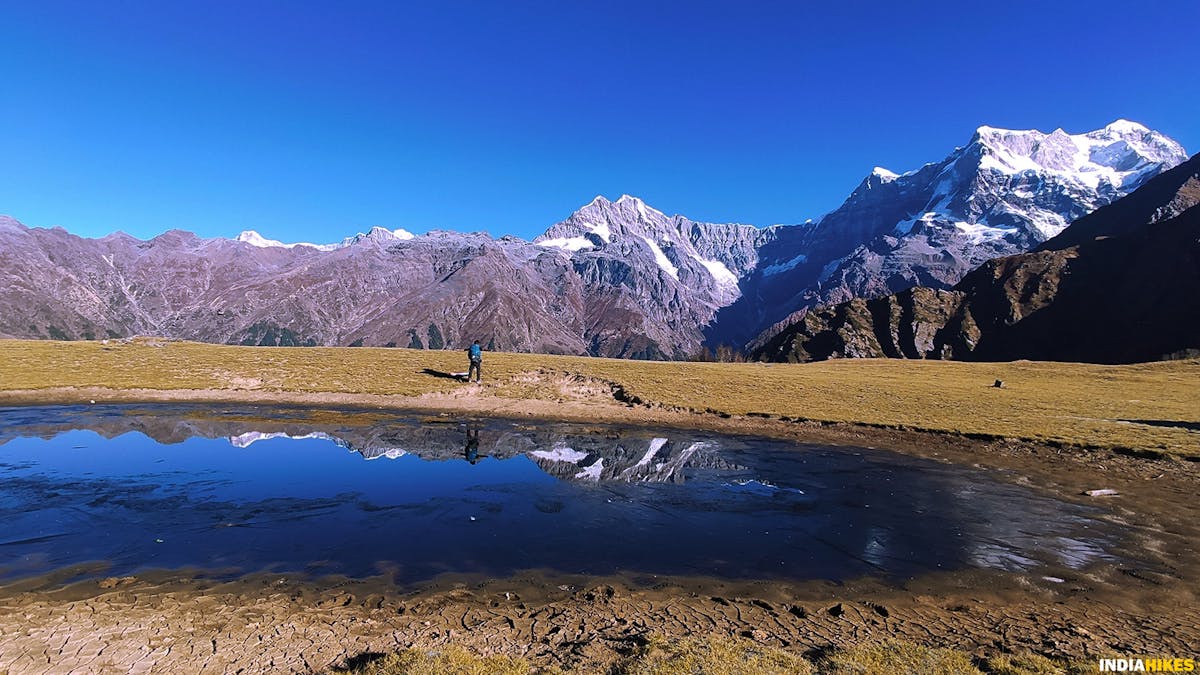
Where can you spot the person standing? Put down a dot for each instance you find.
(475, 354)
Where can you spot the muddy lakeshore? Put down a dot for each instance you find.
(96, 619)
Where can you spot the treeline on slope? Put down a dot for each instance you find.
(1120, 285)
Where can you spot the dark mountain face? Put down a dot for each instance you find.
(616, 278)
(1120, 285)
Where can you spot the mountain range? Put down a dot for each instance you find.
(616, 278)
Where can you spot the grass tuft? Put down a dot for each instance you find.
(1035, 664)
(893, 656)
(714, 655)
(449, 660)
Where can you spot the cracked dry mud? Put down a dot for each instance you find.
(273, 623)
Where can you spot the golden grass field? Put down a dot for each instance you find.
(1143, 406)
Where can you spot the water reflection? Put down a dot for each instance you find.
(263, 488)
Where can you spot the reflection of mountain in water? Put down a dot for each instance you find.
(250, 437)
(563, 451)
(750, 507)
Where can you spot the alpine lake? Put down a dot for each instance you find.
(239, 489)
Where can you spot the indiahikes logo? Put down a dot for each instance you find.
(1147, 665)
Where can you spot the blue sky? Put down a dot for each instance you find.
(310, 121)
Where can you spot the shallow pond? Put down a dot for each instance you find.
(244, 489)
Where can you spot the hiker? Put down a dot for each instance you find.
(475, 353)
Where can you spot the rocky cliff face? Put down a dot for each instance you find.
(616, 278)
(1119, 285)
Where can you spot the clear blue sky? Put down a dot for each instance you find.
(311, 121)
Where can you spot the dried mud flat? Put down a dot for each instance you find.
(175, 622)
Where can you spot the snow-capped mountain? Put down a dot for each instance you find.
(378, 234)
(1004, 193)
(703, 256)
(615, 278)
(1119, 285)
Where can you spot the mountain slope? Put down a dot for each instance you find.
(1119, 285)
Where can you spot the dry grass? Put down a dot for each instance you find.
(450, 660)
(1035, 664)
(715, 655)
(1142, 406)
(892, 656)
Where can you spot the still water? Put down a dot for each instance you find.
(248, 489)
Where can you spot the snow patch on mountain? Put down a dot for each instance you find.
(560, 453)
(661, 258)
(602, 230)
(390, 453)
(592, 471)
(655, 445)
(979, 233)
(568, 243)
(720, 273)
(251, 437)
(784, 266)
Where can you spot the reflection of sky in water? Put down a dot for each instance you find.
(281, 493)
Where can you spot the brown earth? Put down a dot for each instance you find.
(182, 622)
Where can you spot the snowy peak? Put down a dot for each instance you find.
(1126, 127)
(707, 258)
(1116, 155)
(255, 239)
(595, 224)
(884, 175)
(376, 234)
(878, 177)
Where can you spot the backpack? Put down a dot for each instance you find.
(476, 352)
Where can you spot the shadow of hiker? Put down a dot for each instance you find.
(442, 374)
(1190, 426)
(358, 662)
